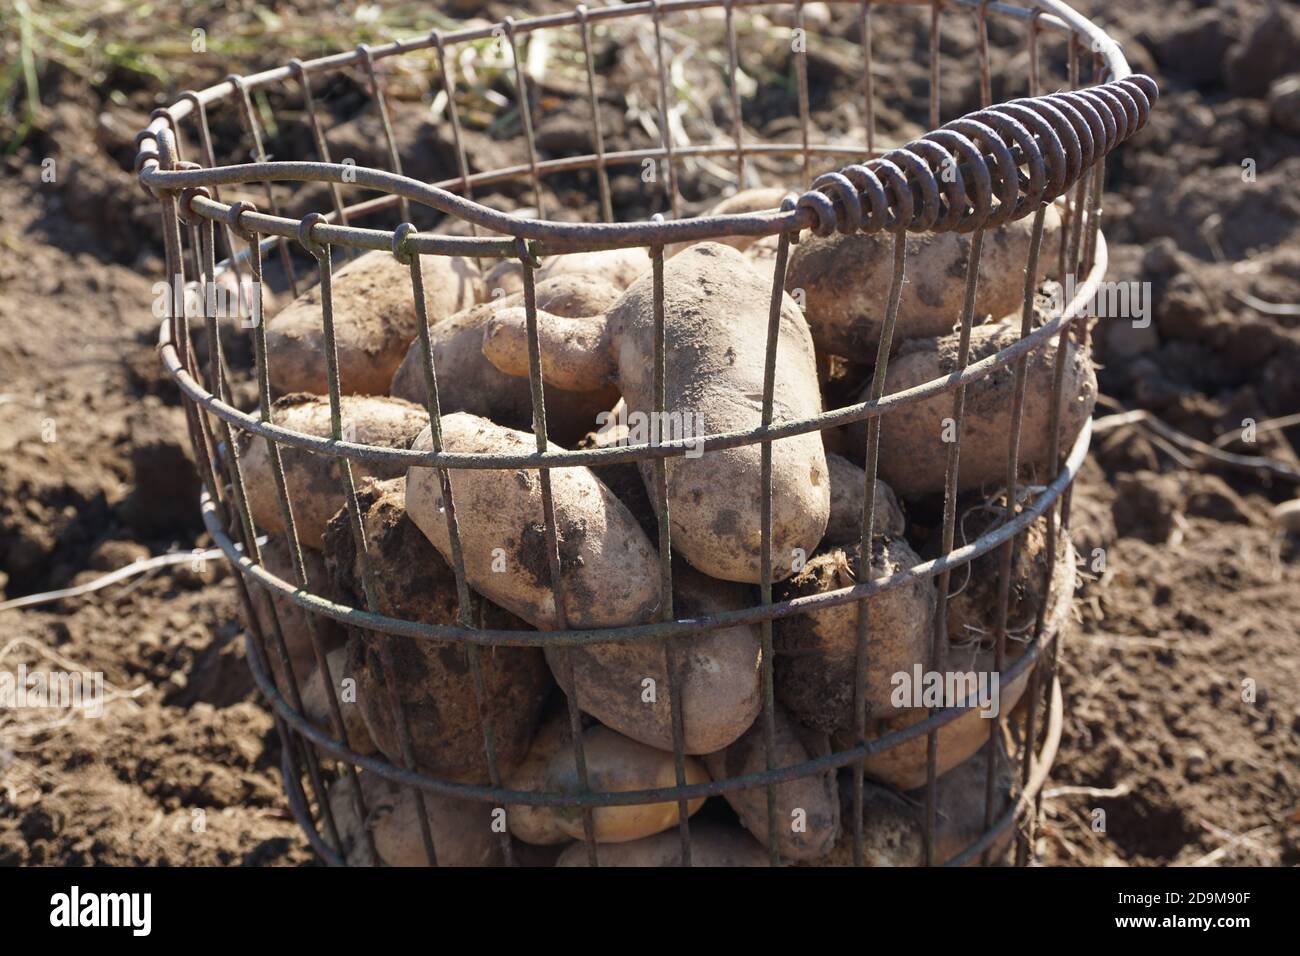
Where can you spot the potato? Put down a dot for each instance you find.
(807, 808)
(461, 829)
(468, 382)
(815, 664)
(846, 280)
(624, 478)
(316, 705)
(904, 766)
(374, 322)
(893, 825)
(296, 622)
(609, 570)
(712, 844)
(315, 482)
(758, 199)
(848, 498)
(973, 603)
(537, 825)
(506, 277)
(761, 254)
(716, 311)
(719, 671)
(913, 452)
(616, 764)
(621, 267)
(434, 681)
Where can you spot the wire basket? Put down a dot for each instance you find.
(996, 166)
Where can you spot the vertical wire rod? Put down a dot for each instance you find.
(871, 465)
(940, 643)
(765, 529)
(598, 126)
(665, 129)
(464, 598)
(321, 252)
(551, 534)
(663, 517)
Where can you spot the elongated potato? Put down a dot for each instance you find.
(296, 623)
(621, 267)
(316, 705)
(716, 317)
(719, 671)
(538, 825)
(616, 764)
(846, 278)
(712, 844)
(914, 440)
(815, 665)
(848, 498)
(374, 322)
(757, 199)
(315, 482)
(904, 766)
(608, 568)
(461, 829)
(434, 682)
(468, 382)
(807, 808)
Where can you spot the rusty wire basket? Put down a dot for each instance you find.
(1018, 157)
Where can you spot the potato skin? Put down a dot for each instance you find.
(719, 672)
(468, 382)
(815, 664)
(893, 825)
(716, 317)
(817, 796)
(904, 766)
(972, 608)
(296, 622)
(846, 280)
(712, 844)
(316, 705)
(621, 267)
(461, 829)
(537, 825)
(609, 569)
(374, 322)
(848, 498)
(315, 482)
(913, 454)
(757, 199)
(435, 684)
(617, 764)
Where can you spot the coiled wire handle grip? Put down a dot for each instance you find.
(984, 169)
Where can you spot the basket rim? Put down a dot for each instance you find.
(157, 172)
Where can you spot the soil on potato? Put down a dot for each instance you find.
(1181, 674)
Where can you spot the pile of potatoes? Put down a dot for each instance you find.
(596, 325)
